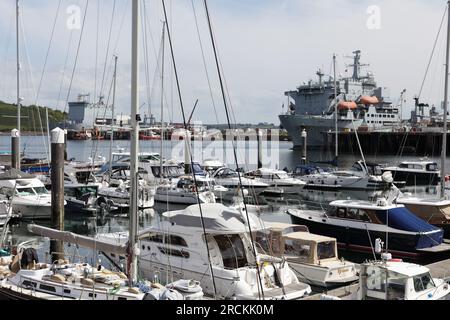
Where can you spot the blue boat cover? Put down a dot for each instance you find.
(403, 219)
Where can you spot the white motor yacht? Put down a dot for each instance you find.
(176, 248)
(30, 198)
(277, 179)
(184, 191)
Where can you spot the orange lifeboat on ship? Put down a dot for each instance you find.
(346, 105)
(367, 100)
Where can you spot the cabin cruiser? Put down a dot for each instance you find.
(30, 198)
(238, 274)
(393, 279)
(362, 176)
(229, 178)
(115, 188)
(277, 179)
(356, 224)
(185, 190)
(212, 165)
(314, 258)
(146, 160)
(83, 199)
(416, 172)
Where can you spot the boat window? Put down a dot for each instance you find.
(69, 192)
(423, 282)
(418, 167)
(47, 288)
(352, 213)
(326, 250)
(262, 238)
(341, 213)
(363, 216)
(41, 190)
(232, 250)
(29, 284)
(176, 241)
(154, 237)
(174, 252)
(67, 291)
(375, 170)
(25, 192)
(294, 247)
(357, 167)
(282, 176)
(396, 285)
(432, 167)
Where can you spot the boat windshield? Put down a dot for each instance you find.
(326, 250)
(41, 190)
(282, 175)
(423, 282)
(25, 192)
(232, 251)
(227, 173)
(375, 170)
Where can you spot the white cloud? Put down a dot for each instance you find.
(266, 47)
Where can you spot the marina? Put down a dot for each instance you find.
(121, 193)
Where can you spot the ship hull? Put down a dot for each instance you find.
(318, 128)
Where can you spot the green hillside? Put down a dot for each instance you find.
(29, 116)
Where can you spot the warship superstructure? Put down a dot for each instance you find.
(361, 105)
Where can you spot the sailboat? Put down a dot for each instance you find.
(64, 280)
(434, 211)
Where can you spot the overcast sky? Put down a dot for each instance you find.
(266, 48)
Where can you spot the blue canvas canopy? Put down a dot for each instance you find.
(402, 219)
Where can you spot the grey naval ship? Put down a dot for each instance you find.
(361, 104)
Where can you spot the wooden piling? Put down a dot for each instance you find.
(15, 149)
(57, 180)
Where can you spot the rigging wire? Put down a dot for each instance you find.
(190, 153)
(204, 62)
(108, 48)
(432, 52)
(76, 57)
(47, 147)
(146, 58)
(234, 144)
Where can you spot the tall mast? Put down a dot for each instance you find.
(134, 141)
(336, 110)
(18, 70)
(162, 102)
(112, 116)
(444, 136)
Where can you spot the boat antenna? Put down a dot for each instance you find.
(183, 113)
(445, 131)
(213, 42)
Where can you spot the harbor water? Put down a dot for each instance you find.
(288, 158)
